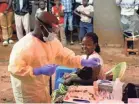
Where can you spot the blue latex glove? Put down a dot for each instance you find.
(93, 62)
(45, 70)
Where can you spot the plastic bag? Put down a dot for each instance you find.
(117, 90)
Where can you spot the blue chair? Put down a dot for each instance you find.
(59, 74)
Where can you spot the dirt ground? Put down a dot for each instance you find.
(111, 56)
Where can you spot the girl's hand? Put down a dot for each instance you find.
(93, 62)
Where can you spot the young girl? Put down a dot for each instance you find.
(87, 75)
(92, 50)
(57, 10)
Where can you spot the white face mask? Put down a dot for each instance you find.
(50, 37)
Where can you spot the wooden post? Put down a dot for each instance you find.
(127, 50)
(125, 47)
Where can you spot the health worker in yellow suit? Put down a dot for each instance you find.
(35, 57)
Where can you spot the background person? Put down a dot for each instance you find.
(42, 7)
(86, 12)
(68, 16)
(22, 11)
(129, 18)
(76, 18)
(6, 18)
(57, 10)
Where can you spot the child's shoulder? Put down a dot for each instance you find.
(95, 54)
(84, 56)
(37, 11)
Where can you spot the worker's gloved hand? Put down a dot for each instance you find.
(45, 70)
(93, 62)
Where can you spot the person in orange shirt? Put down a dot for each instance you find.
(6, 16)
(57, 10)
(35, 57)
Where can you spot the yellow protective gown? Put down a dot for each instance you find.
(29, 53)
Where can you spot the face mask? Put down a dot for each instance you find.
(50, 36)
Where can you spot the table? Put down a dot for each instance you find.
(86, 93)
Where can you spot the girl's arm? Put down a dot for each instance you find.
(76, 12)
(88, 15)
(91, 10)
(54, 13)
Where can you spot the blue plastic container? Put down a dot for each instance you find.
(59, 74)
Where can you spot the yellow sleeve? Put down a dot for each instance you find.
(66, 57)
(19, 64)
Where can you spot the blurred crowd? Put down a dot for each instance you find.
(73, 15)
